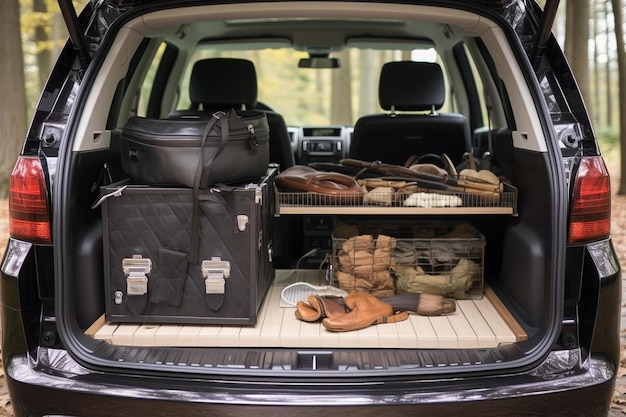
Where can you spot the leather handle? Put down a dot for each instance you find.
(194, 246)
(334, 177)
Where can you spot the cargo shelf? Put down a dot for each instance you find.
(424, 203)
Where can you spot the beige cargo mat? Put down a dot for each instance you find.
(477, 323)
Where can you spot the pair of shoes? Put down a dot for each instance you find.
(424, 304)
(319, 307)
(365, 310)
(353, 312)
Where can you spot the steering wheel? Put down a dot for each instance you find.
(430, 158)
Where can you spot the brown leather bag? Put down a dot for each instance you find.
(337, 188)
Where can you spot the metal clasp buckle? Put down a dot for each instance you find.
(214, 272)
(136, 270)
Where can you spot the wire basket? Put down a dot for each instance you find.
(507, 199)
(440, 258)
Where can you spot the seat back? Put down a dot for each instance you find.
(395, 137)
(219, 83)
(224, 83)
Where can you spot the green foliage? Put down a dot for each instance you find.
(609, 141)
(608, 135)
(44, 16)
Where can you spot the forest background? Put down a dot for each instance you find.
(591, 32)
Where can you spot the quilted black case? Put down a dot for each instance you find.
(151, 276)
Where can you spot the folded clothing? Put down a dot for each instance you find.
(454, 284)
(365, 265)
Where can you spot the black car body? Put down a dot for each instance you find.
(549, 259)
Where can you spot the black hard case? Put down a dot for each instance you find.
(155, 223)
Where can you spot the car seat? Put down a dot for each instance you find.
(394, 137)
(223, 83)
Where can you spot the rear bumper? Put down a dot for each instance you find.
(78, 392)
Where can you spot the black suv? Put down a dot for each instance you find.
(365, 90)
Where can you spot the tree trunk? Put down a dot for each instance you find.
(621, 69)
(13, 97)
(341, 106)
(596, 67)
(58, 32)
(576, 44)
(568, 47)
(369, 74)
(44, 55)
(607, 67)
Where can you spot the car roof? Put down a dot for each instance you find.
(316, 29)
(134, 3)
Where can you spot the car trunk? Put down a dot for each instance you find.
(508, 321)
(509, 315)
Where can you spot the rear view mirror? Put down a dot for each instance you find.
(319, 62)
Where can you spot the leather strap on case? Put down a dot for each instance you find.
(195, 216)
(214, 301)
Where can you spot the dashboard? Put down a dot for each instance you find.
(320, 143)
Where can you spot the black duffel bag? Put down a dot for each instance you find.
(228, 147)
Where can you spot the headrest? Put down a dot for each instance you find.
(411, 86)
(223, 82)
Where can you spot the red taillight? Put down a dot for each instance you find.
(29, 218)
(591, 206)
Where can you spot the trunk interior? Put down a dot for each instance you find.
(507, 318)
(508, 314)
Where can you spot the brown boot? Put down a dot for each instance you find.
(424, 304)
(366, 310)
(320, 307)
